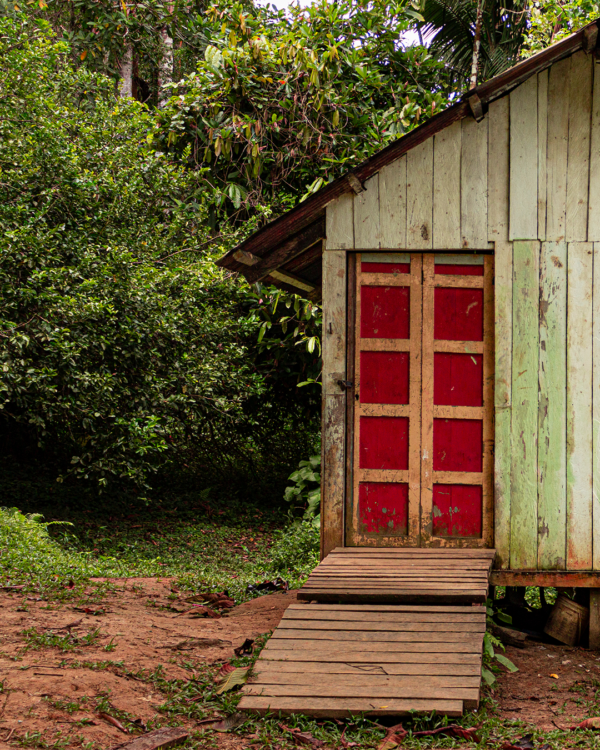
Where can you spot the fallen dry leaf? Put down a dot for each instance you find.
(245, 649)
(393, 737)
(224, 671)
(230, 722)
(115, 722)
(302, 738)
(235, 678)
(593, 723)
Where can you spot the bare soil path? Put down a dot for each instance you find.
(51, 698)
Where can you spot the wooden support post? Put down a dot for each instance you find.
(595, 619)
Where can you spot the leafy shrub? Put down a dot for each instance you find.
(30, 557)
(296, 548)
(305, 493)
(118, 354)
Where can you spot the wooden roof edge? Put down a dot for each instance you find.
(269, 238)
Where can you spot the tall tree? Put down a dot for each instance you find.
(281, 104)
(476, 39)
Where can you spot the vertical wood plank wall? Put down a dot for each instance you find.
(527, 179)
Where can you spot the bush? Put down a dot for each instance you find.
(30, 557)
(296, 548)
(118, 354)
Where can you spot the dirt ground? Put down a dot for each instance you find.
(138, 632)
(555, 686)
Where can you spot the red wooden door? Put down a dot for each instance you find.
(421, 472)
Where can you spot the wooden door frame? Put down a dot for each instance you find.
(488, 349)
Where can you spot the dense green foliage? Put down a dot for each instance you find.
(124, 351)
(450, 26)
(280, 106)
(114, 354)
(203, 549)
(552, 20)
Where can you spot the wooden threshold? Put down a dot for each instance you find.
(400, 575)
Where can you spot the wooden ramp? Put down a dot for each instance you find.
(337, 660)
(384, 635)
(400, 575)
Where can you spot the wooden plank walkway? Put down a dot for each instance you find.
(400, 575)
(336, 660)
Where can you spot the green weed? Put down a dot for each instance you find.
(69, 642)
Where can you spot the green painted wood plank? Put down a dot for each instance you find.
(552, 414)
(523, 536)
(596, 403)
(579, 405)
(502, 400)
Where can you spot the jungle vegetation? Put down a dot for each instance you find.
(139, 141)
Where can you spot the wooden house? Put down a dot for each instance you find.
(459, 270)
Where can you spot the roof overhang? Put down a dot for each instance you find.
(284, 252)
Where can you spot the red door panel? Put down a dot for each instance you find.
(384, 377)
(457, 379)
(457, 445)
(458, 314)
(385, 312)
(383, 507)
(384, 443)
(457, 510)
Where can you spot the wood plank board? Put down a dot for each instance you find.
(542, 149)
(523, 161)
(446, 187)
(366, 215)
(578, 161)
(334, 401)
(469, 645)
(342, 708)
(267, 666)
(351, 670)
(419, 196)
(339, 223)
(393, 622)
(416, 552)
(552, 408)
(402, 608)
(558, 142)
(392, 204)
(596, 403)
(579, 406)
(374, 681)
(498, 173)
(473, 184)
(594, 195)
(503, 400)
(523, 537)
(424, 632)
(367, 656)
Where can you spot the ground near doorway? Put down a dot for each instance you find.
(140, 657)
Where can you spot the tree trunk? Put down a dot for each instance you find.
(165, 69)
(127, 72)
(476, 44)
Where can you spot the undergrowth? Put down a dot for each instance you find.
(202, 548)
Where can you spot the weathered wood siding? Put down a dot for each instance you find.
(524, 181)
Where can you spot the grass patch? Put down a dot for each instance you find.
(202, 547)
(69, 642)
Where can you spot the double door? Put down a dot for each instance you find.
(421, 408)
